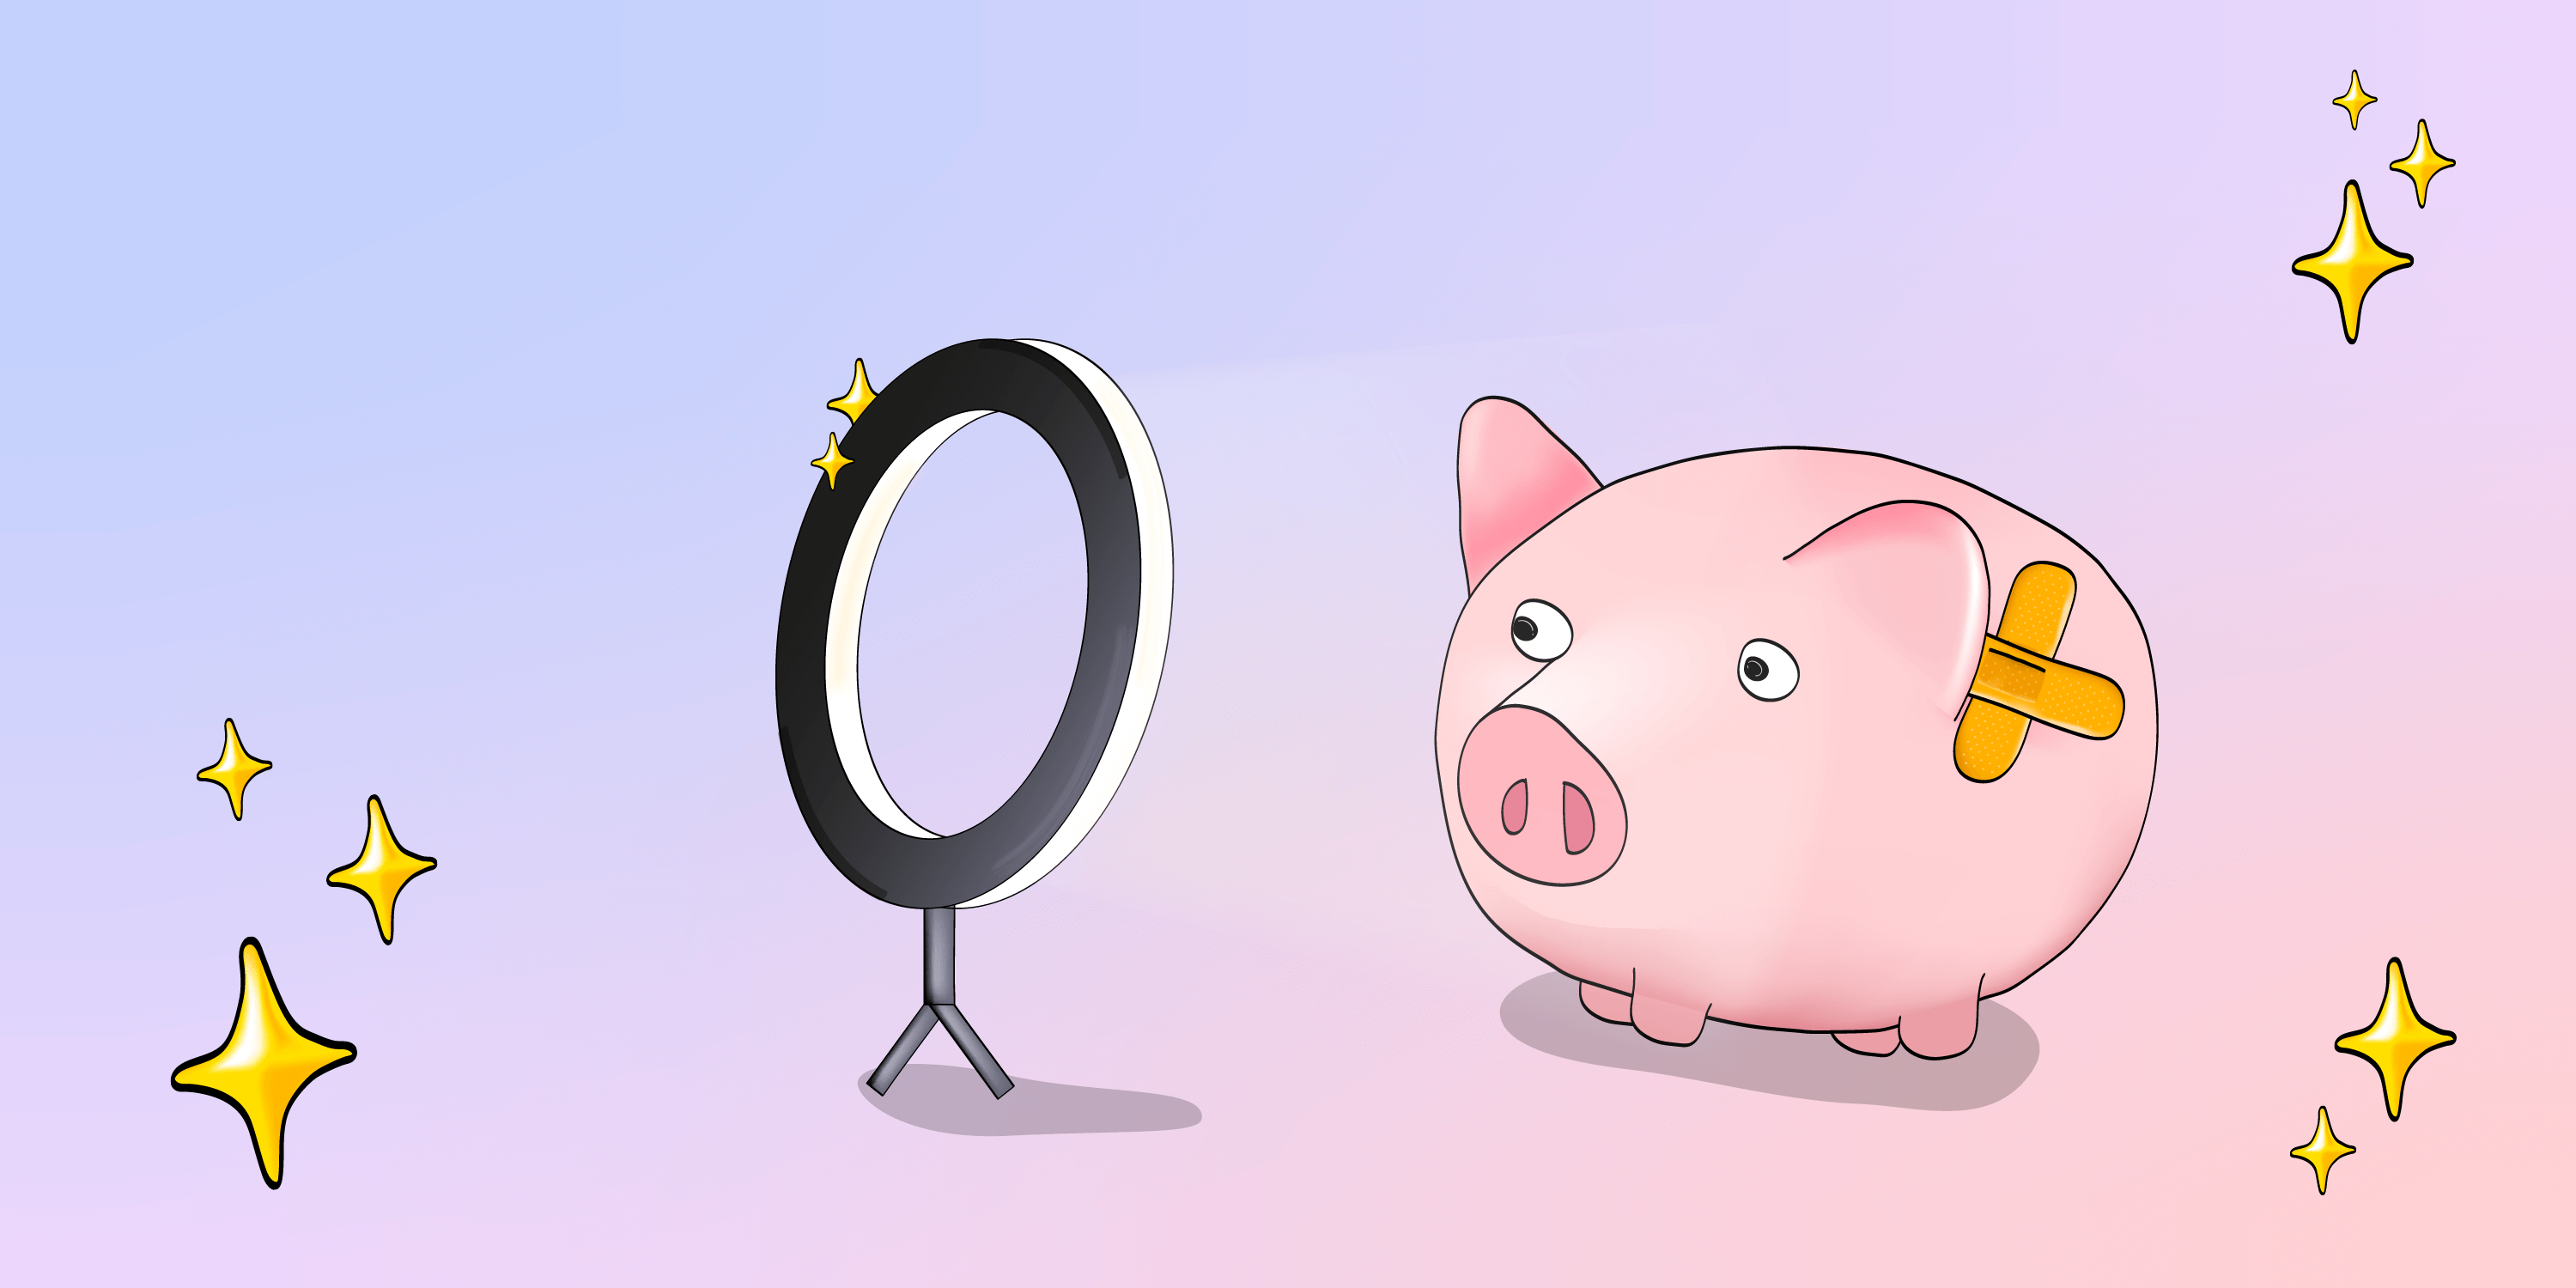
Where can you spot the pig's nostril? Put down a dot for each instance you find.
(1516, 807)
(1578, 820)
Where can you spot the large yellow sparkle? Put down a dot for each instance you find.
(2322, 1149)
(852, 403)
(831, 461)
(234, 769)
(2396, 1040)
(2423, 163)
(264, 1065)
(381, 869)
(2354, 100)
(2352, 262)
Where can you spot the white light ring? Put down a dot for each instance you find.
(849, 598)
(1153, 624)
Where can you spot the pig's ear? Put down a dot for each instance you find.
(1912, 574)
(1513, 476)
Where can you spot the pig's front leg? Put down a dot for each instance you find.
(1671, 1023)
(1606, 1003)
(1874, 1042)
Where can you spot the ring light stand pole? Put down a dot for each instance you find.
(939, 1007)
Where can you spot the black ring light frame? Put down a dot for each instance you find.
(1127, 541)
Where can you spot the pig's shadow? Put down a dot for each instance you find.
(1547, 1013)
(943, 1097)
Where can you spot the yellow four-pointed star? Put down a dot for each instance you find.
(2396, 1040)
(234, 769)
(852, 403)
(381, 868)
(2322, 1149)
(2352, 262)
(264, 1065)
(831, 461)
(2423, 163)
(2354, 100)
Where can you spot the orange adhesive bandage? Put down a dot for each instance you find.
(2019, 680)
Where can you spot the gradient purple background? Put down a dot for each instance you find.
(431, 393)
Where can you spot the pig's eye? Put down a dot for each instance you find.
(1766, 670)
(1540, 632)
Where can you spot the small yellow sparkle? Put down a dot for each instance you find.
(234, 769)
(2396, 1040)
(2423, 163)
(831, 461)
(852, 403)
(381, 868)
(2322, 1149)
(264, 1065)
(2354, 100)
(2352, 262)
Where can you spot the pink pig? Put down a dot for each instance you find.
(1696, 738)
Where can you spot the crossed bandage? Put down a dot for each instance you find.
(2018, 680)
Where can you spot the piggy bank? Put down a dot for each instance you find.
(1796, 738)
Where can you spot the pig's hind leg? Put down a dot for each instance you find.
(1943, 1031)
(1607, 1004)
(1873, 1042)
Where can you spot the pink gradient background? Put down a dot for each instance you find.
(431, 393)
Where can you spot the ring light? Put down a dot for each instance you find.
(1127, 540)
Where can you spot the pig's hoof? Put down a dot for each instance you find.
(1874, 1042)
(1667, 1022)
(1608, 1004)
(1941, 1032)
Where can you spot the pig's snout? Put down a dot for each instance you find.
(1538, 802)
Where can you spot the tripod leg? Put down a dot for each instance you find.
(882, 1081)
(990, 1069)
(938, 1007)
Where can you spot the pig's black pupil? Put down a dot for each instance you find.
(1524, 629)
(1756, 670)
